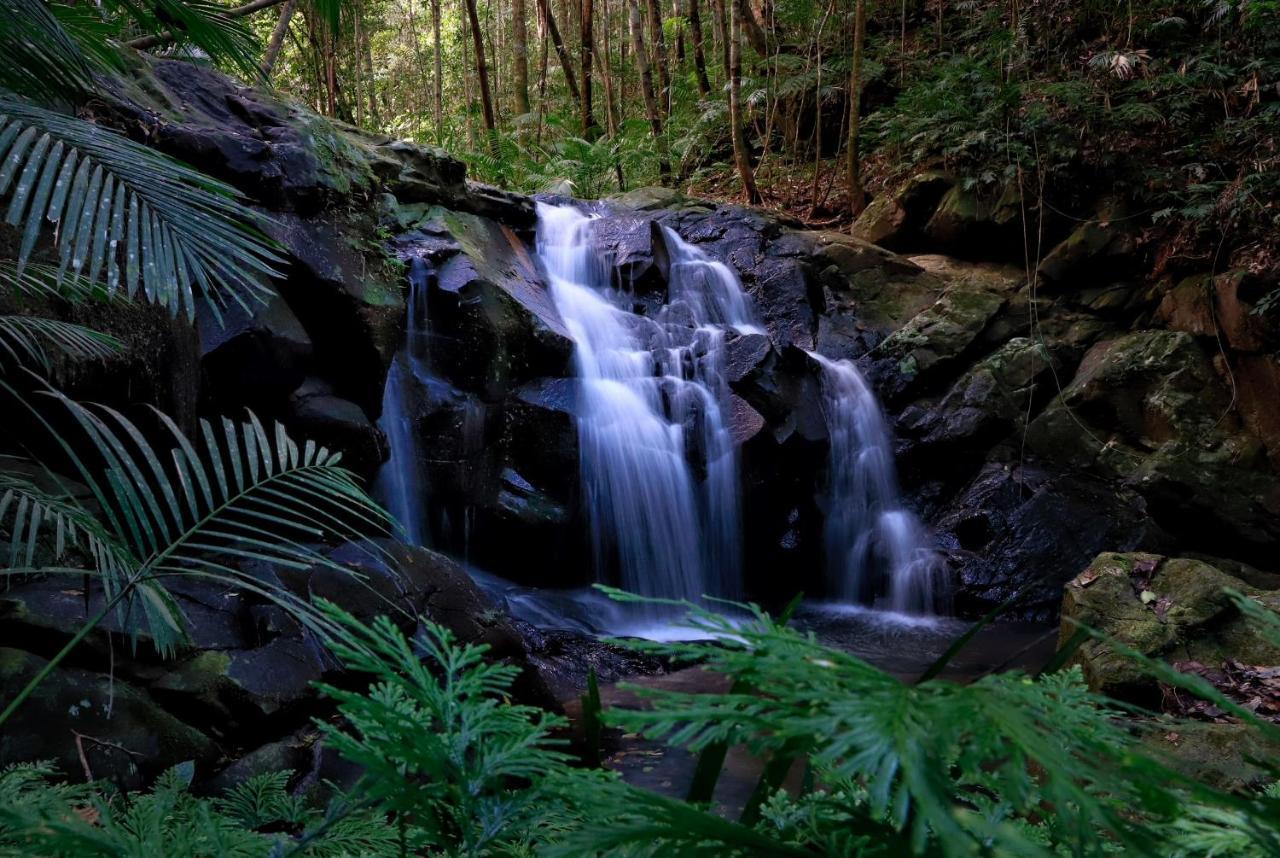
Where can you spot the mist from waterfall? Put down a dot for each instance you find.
(659, 470)
(400, 484)
(873, 544)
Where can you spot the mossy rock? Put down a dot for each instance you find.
(1174, 609)
(125, 735)
(1225, 756)
(936, 339)
(1149, 408)
(894, 218)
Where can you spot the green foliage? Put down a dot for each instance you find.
(1007, 765)
(469, 772)
(39, 816)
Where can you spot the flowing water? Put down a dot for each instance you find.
(659, 470)
(873, 544)
(401, 484)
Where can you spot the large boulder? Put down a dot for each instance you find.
(1175, 609)
(317, 414)
(92, 725)
(1100, 248)
(1025, 531)
(932, 347)
(978, 224)
(253, 356)
(1149, 409)
(895, 219)
(503, 326)
(349, 303)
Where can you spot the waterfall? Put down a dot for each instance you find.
(659, 471)
(872, 542)
(400, 484)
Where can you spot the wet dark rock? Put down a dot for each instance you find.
(565, 658)
(316, 414)
(503, 327)
(1027, 530)
(252, 356)
(80, 719)
(542, 434)
(351, 312)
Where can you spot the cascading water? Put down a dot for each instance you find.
(652, 403)
(400, 483)
(871, 540)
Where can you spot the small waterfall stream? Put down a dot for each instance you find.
(400, 483)
(872, 542)
(652, 401)
(659, 469)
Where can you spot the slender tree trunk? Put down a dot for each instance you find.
(722, 33)
(817, 110)
(675, 10)
(751, 28)
(542, 74)
(566, 61)
(699, 57)
(857, 197)
(520, 37)
(646, 87)
(482, 75)
(658, 46)
(741, 156)
(366, 55)
(585, 21)
(277, 38)
(438, 83)
(610, 100)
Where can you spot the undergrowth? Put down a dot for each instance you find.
(1010, 764)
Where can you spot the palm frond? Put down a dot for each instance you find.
(41, 59)
(203, 24)
(151, 225)
(27, 340)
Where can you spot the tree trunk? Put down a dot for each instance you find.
(722, 33)
(741, 156)
(610, 98)
(646, 87)
(439, 77)
(857, 197)
(520, 49)
(366, 55)
(658, 44)
(277, 38)
(482, 74)
(585, 21)
(699, 57)
(566, 61)
(751, 28)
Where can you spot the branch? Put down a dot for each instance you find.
(167, 36)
